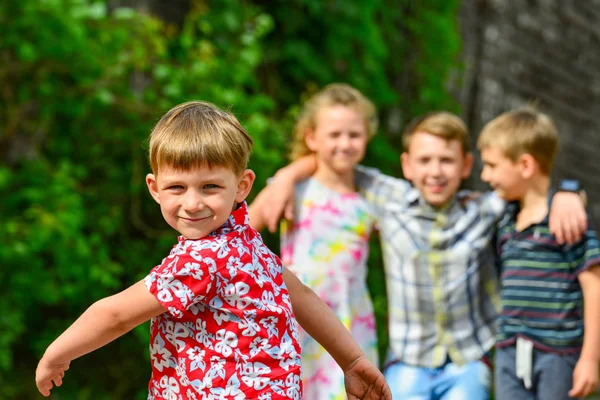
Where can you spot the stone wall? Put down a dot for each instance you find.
(545, 52)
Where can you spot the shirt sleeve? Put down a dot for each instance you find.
(491, 203)
(585, 253)
(379, 189)
(180, 281)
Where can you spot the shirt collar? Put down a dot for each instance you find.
(513, 208)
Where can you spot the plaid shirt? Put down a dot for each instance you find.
(441, 275)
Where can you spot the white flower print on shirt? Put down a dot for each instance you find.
(255, 375)
(270, 323)
(233, 264)
(257, 345)
(171, 388)
(202, 335)
(235, 295)
(196, 357)
(249, 326)
(226, 340)
(176, 333)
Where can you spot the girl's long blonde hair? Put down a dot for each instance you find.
(331, 95)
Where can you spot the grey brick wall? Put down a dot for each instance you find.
(545, 52)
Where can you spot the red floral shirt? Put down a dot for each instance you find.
(229, 331)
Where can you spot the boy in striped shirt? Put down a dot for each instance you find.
(549, 329)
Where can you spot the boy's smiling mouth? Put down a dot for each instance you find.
(188, 219)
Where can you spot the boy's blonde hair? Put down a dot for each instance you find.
(199, 134)
(522, 131)
(331, 95)
(438, 123)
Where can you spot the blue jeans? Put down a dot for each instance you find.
(552, 376)
(471, 381)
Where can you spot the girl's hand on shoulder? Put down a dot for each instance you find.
(585, 378)
(279, 202)
(364, 381)
(48, 375)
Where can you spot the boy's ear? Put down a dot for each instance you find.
(528, 165)
(244, 185)
(467, 165)
(309, 139)
(406, 169)
(153, 187)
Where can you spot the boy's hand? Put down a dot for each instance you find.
(568, 219)
(48, 375)
(585, 378)
(280, 195)
(364, 381)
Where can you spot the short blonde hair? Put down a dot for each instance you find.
(331, 95)
(199, 134)
(438, 123)
(522, 131)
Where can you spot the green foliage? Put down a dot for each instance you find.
(82, 86)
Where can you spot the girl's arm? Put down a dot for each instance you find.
(280, 192)
(256, 210)
(585, 376)
(101, 323)
(362, 379)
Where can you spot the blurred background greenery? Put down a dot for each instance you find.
(81, 84)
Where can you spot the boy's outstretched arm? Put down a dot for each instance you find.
(567, 220)
(585, 376)
(280, 192)
(362, 379)
(101, 323)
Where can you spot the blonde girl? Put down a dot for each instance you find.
(327, 245)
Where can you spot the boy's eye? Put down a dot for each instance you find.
(211, 186)
(175, 187)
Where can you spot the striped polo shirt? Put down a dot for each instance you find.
(541, 296)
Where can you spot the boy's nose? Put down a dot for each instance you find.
(484, 175)
(193, 202)
(435, 168)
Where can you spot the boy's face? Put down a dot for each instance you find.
(198, 201)
(504, 175)
(339, 139)
(436, 167)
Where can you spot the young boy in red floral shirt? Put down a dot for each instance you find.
(221, 302)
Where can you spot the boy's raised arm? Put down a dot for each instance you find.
(280, 192)
(101, 323)
(585, 376)
(362, 379)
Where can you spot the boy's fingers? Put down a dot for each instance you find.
(578, 386)
(57, 381)
(567, 230)
(44, 388)
(558, 235)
